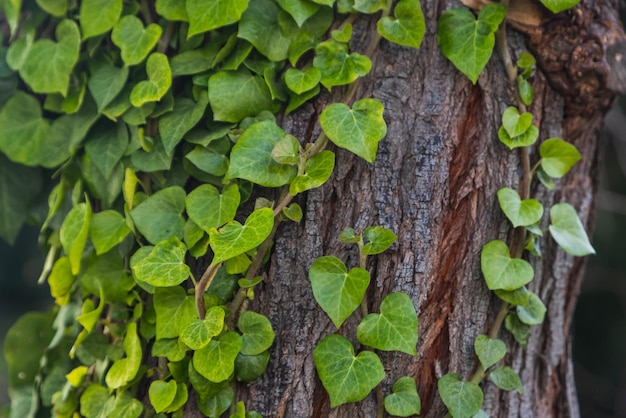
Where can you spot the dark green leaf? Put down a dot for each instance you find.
(135, 42)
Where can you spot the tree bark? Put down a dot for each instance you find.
(434, 183)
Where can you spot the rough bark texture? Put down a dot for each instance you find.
(434, 183)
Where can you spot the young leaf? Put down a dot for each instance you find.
(124, 370)
(534, 312)
(520, 330)
(500, 270)
(337, 291)
(379, 239)
(251, 157)
(517, 297)
(568, 231)
(164, 266)
(524, 140)
(468, 41)
(489, 350)
(216, 362)
(346, 377)
(210, 209)
(506, 379)
(61, 281)
(300, 81)
(407, 28)
(158, 82)
(99, 16)
(161, 394)
(257, 333)
(133, 40)
(318, 170)
(404, 401)
(343, 34)
(233, 238)
(349, 236)
(287, 150)
(74, 234)
(519, 212)
(557, 157)
(358, 129)
(463, 399)
(208, 15)
(337, 65)
(198, 333)
(514, 123)
(557, 6)
(108, 228)
(394, 329)
(525, 90)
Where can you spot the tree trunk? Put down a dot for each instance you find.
(434, 183)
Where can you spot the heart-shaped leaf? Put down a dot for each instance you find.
(514, 123)
(216, 362)
(164, 266)
(257, 333)
(489, 350)
(500, 270)
(106, 83)
(557, 157)
(233, 238)
(186, 114)
(517, 297)
(346, 378)
(210, 209)
(135, 42)
(158, 83)
(506, 379)
(293, 212)
(524, 140)
(358, 129)
(174, 310)
(161, 394)
(534, 312)
(287, 150)
(463, 399)
(404, 401)
(395, 328)
(337, 291)
(568, 231)
(337, 65)
(198, 333)
(207, 15)
(99, 16)
(248, 368)
(378, 239)
(407, 28)
(520, 212)
(300, 81)
(159, 217)
(468, 41)
(317, 172)
(557, 6)
(108, 228)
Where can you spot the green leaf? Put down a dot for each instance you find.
(338, 67)
(500, 270)
(300, 81)
(287, 151)
(514, 123)
(489, 350)
(407, 28)
(174, 310)
(394, 329)
(172, 10)
(317, 172)
(181, 398)
(463, 399)
(210, 209)
(186, 114)
(158, 83)
(106, 83)
(534, 312)
(107, 272)
(133, 40)
(127, 406)
(57, 8)
(379, 239)
(251, 157)
(124, 370)
(337, 291)
(99, 16)
(404, 401)
(268, 29)
(302, 42)
(517, 297)
(74, 234)
(198, 333)
(248, 368)
(11, 9)
(216, 362)
(506, 379)
(568, 231)
(346, 378)
(159, 217)
(257, 333)
(206, 15)
(164, 266)
(526, 139)
(468, 41)
(293, 212)
(343, 34)
(106, 146)
(557, 6)
(235, 95)
(48, 65)
(526, 92)
(358, 129)
(349, 236)
(208, 161)
(161, 394)
(108, 228)
(95, 402)
(557, 157)
(300, 10)
(520, 330)
(519, 212)
(233, 238)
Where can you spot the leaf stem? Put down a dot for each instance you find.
(203, 285)
(165, 39)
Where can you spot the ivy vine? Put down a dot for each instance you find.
(157, 122)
